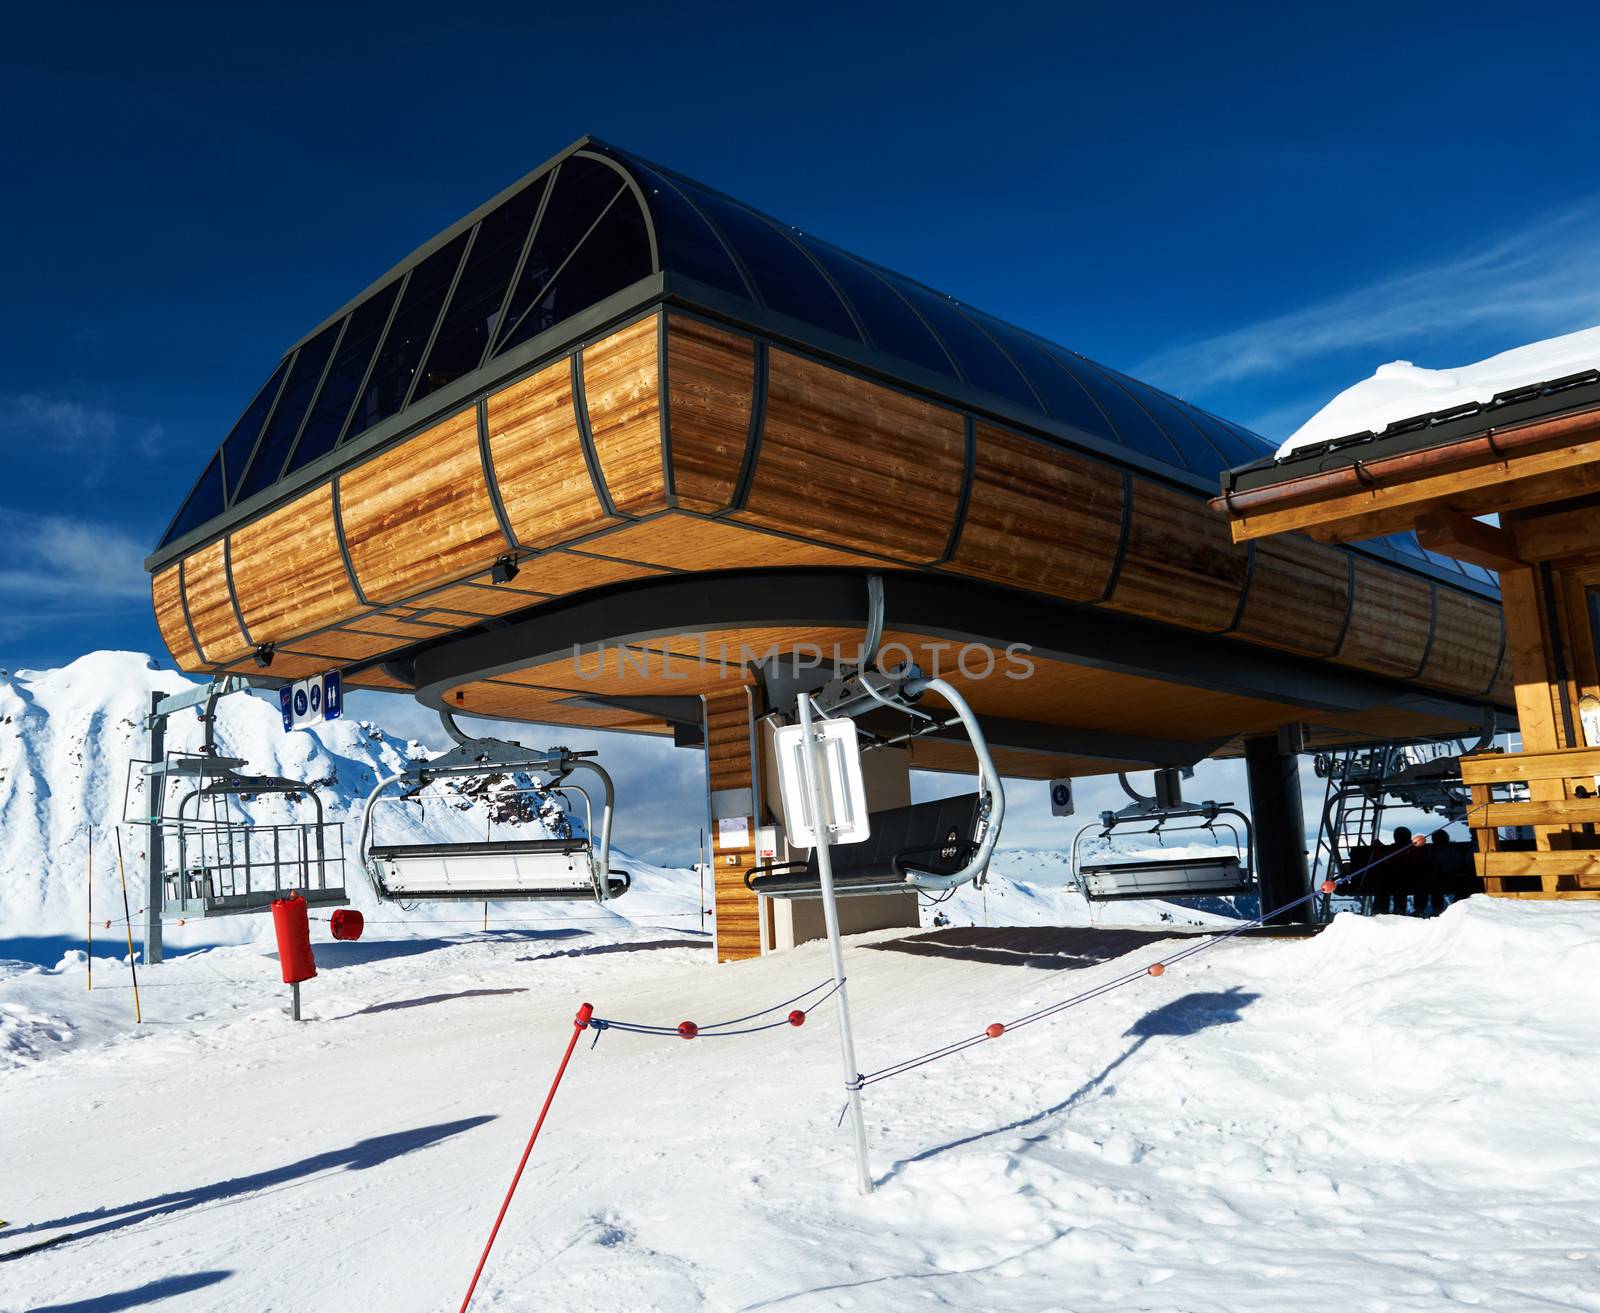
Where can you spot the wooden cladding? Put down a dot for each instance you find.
(1040, 517)
(672, 445)
(1179, 564)
(536, 450)
(420, 514)
(205, 586)
(166, 595)
(287, 571)
(1391, 620)
(855, 463)
(710, 391)
(729, 766)
(622, 392)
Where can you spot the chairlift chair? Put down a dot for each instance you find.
(927, 846)
(214, 858)
(1222, 875)
(575, 868)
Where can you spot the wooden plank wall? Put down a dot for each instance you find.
(729, 766)
(839, 471)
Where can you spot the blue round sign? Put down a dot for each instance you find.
(299, 702)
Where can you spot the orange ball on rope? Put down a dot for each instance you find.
(1158, 968)
(996, 1030)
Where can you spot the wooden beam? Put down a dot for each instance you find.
(1563, 534)
(1555, 811)
(1450, 533)
(1576, 861)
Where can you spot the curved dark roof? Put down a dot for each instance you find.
(596, 233)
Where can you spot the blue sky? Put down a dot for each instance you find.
(1252, 207)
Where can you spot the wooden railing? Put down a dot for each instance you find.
(1562, 808)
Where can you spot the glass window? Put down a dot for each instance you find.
(579, 194)
(687, 244)
(1063, 397)
(407, 338)
(239, 443)
(1136, 430)
(1199, 452)
(894, 327)
(363, 328)
(203, 503)
(613, 255)
(984, 364)
(1234, 448)
(787, 280)
(474, 310)
(1258, 446)
(309, 362)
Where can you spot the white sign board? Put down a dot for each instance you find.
(733, 832)
(844, 793)
(308, 702)
(1061, 797)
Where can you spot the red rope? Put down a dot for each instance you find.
(578, 1024)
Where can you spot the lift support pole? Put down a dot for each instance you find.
(1278, 815)
(154, 857)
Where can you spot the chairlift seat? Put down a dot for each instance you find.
(1176, 877)
(938, 837)
(535, 869)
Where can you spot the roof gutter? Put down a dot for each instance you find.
(1368, 476)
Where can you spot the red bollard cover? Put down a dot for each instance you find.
(294, 939)
(347, 923)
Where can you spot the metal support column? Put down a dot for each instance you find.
(154, 857)
(811, 758)
(1278, 817)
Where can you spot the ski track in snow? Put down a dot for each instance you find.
(1397, 1115)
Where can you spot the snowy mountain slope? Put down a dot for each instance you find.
(1396, 1116)
(68, 735)
(1400, 390)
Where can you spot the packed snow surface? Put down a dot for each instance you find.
(1395, 1115)
(1400, 389)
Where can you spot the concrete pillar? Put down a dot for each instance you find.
(1278, 818)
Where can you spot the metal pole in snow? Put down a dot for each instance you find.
(830, 913)
(88, 954)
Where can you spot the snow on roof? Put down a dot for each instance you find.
(1401, 390)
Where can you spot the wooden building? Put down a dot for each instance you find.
(615, 448)
(1511, 485)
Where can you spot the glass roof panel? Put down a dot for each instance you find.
(984, 364)
(239, 443)
(788, 282)
(1225, 439)
(203, 503)
(580, 193)
(1200, 453)
(1134, 426)
(1257, 445)
(474, 311)
(363, 328)
(1060, 392)
(615, 253)
(894, 326)
(414, 319)
(266, 466)
(687, 244)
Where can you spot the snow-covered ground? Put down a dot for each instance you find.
(1396, 1115)
(1401, 390)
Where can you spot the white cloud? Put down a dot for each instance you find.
(1542, 279)
(57, 562)
(93, 433)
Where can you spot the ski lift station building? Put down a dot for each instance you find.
(617, 451)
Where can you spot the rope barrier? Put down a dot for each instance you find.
(996, 1029)
(720, 1029)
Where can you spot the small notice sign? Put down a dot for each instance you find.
(733, 832)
